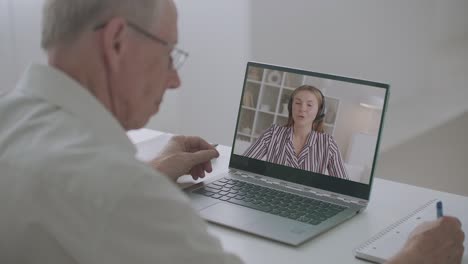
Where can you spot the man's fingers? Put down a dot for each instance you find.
(458, 236)
(207, 166)
(202, 156)
(450, 221)
(198, 143)
(197, 172)
(458, 255)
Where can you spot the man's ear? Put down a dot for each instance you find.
(114, 40)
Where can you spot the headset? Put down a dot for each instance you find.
(321, 112)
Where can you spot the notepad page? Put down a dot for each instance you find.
(391, 240)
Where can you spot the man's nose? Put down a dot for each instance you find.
(173, 80)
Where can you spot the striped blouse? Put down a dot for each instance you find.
(319, 154)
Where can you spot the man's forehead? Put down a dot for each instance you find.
(169, 10)
(168, 20)
(172, 7)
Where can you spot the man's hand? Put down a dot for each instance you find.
(439, 241)
(185, 155)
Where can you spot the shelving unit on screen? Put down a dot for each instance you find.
(266, 97)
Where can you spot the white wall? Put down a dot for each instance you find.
(352, 118)
(420, 47)
(20, 36)
(26, 20)
(436, 159)
(6, 61)
(216, 33)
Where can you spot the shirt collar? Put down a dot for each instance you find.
(59, 89)
(311, 139)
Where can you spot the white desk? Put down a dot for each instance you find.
(390, 201)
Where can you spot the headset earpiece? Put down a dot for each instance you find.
(322, 111)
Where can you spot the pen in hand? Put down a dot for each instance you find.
(440, 209)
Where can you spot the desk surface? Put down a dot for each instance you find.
(389, 202)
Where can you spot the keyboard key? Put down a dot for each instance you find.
(304, 219)
(293, 216)
(243, 203)
(284, 214)
(207, 193)
(214, 186)
(210, 189)
(314, 222)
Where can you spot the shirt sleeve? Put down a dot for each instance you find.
(336, 166)
(259, 148)
(154, 223)
(119, 210)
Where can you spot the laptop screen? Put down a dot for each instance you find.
(310, 128)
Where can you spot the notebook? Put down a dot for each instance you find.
(290, 193)
(391, 240)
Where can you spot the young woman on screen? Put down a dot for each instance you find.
(301, 143)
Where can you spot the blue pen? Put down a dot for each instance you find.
(440, 209)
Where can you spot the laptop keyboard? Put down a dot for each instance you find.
(303, 209)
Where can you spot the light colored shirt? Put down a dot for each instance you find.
(319, 154)
(71, 190)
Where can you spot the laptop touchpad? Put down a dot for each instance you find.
(232, 215)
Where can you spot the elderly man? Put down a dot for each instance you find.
(71, 188)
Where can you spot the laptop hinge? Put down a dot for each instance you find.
(297, 187)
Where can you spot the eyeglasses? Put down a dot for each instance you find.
(177, 56)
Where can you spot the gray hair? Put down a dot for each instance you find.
(64, 20)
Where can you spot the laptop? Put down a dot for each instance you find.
(270, 192)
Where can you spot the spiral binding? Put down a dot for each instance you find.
(393, 226)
